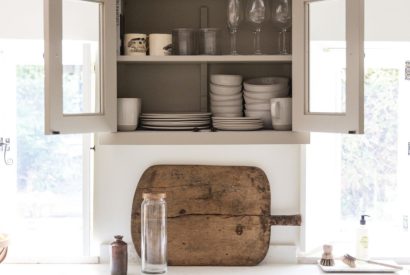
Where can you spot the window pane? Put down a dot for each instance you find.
(81, 57)
(41, 204)
(367, 174)
(327, 56)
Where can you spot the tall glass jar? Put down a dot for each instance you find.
(154, 233)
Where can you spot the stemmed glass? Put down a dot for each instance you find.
(282, 17)
(256, 14)
(235, 17)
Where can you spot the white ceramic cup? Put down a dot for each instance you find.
(128, 112)
(135, 44)
(281, 110)
(160, 44)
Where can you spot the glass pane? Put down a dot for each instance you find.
(41, 208)
(81, 57)
(327, 56)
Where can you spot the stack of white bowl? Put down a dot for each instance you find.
(257, 94)
(226, 95)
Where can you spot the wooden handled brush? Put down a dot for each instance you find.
(351, 261)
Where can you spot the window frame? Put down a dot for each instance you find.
(56, 122)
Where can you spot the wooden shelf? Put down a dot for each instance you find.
(205, 59)
(143, 137)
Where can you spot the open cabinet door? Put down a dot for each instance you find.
(328, 66)
(80, 66)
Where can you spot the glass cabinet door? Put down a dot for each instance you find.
(80, 66)
(328, 58)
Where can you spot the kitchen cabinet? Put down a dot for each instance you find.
(180, 83)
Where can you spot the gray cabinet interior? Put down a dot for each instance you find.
(183, 86)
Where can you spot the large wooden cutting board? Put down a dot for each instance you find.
(217, 215)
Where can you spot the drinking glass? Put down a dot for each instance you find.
(282, 18)
(256, 14)
(235, 17)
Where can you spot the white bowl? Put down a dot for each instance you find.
(266, 84)
(225, 90)
(216, 97)
(237, 102)
(228, 114)
(227, 109)
(257, 107)
(267, 95)
(249, 100)
(4, 240)
(226, 79)
(265, 116)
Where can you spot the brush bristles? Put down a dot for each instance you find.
(349, 260)
(327, 262)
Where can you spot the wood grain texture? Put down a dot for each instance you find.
(217, 215)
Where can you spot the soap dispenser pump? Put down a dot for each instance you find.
(362, 241)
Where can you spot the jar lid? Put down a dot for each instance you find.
(154, 196)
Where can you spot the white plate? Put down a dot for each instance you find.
(178, 119)
(174, 115)
(361, 267)
(174, 128)
(240, 114)
(238, 123)
(240, 127)
(175, 123)
(234, 118)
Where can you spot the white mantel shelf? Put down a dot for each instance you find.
(203, 138)
(205, 59)
(134, 269)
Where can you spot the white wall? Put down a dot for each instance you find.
(118, 169)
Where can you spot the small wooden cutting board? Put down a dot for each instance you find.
(217, 215)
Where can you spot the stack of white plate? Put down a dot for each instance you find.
(237, 123)
(257, 94)
(226, 95)
(175, 121)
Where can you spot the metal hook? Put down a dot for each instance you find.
(6, 145)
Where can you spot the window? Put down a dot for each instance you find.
(351, 175)
(45, 193)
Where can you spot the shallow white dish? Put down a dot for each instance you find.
(257, 106)
(230, 115)
(266, 95)
(174, 128)
(237, 102)
(226, 109)
(226, 79)
(266, 84)
(239, 127)
(361, 267)
(175, 123)
(265, 116)
(221, 118)
(216, 97)
(225, 90)
(174, 114)
(207, 118)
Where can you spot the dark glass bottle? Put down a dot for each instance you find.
(119, 256)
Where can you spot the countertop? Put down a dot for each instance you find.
(97, 269)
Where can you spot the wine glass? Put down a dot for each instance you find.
(256, 14)
(282, 17)
(235, 17)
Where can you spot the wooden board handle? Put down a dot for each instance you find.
(292, 220)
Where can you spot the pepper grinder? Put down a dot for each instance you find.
(119, 256)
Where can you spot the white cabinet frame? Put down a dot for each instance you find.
(352, 121)
(56, 122)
